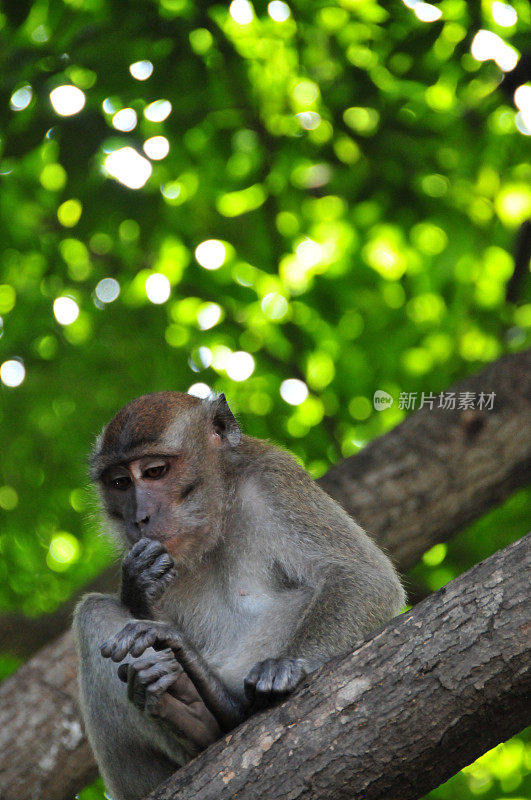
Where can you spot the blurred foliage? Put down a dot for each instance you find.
(239, 196)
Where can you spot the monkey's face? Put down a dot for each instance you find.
(145, 495)
(159, 469)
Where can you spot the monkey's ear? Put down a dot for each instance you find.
(224, 422)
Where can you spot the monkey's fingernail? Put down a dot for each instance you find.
(104, 649)
(122, 672)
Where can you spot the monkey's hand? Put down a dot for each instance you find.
(147, 570)
(159, 688)
(273, 679)
(138, 635)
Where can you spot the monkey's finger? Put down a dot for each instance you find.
(161, 684)
(140, 682)
(267, 676)
(249, 683)
(149, 554)
(138, 547)
(288, 675)
(148, 638)
(162, 564)
(117, 647)
(163, 657)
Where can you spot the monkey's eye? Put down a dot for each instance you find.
(156, 471)
(121, 482)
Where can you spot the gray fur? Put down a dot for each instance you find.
(286, 573)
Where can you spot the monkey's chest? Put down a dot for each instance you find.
(255, 625)
(239, 625)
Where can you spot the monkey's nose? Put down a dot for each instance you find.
(142, 522)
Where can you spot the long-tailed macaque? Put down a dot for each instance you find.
(241, 577)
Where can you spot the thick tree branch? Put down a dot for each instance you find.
(439, 469)
(43, 751)
(423, 697)
(413, 487)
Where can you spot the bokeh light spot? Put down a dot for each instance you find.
(53, 177)
(107, 290)
(504, 14)
(320, 370)
(306, 92)
(435, 555)
(488, 45)
(21, 98)
(67, 100)
(65, 310)
(426, 12)
(293, 391)
(309, 120)
(362, 120)
(211, 254)
(513, 204)
(69, 213)
(241, 12)
(125, 120)
(156, 147)
(208, 315)
(8, 498)
(309, 253)
(128, 167)
(278, 11)
(12, 372)
(158, 288)
(64, 550)
(141, 70)
(8, 298)
(158, 111)
(274, 306)
(360, 408)
(240, 365)
(201, 390)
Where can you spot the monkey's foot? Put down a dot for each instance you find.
(273, 679)
(148, 679)
(159, 688)
(137, 636)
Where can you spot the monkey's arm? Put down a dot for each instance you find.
(351, 585)
(138, 635)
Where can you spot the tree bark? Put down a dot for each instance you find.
(423, 697)
(440, 469)
(411, 488)
(434, 472)
(44, 754)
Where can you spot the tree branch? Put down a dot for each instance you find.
(413, 487)
(439, 470)
(419, 700)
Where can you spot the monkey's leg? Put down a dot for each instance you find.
(134, 751)
(137, 636)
